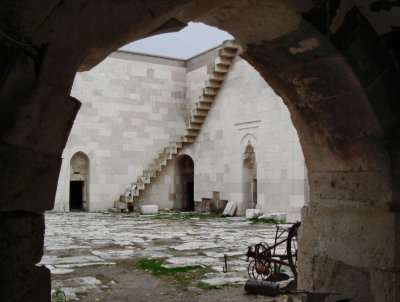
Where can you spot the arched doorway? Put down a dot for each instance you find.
(249, 178)
(78, 184)
(184, 183)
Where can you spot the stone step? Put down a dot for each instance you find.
(166, 154)
(197, 119)
(188, 139)
(155, 166)
(122, 205)
(162, 155)
(230, 44)
(137, 186)
(134, 193)
(193, 126)
(191, 132)
(124, 198)
(212, 83)
(114, 210)
(218, 76)
(200, 112)
(203, 105)
(160, 161)
(171, 150)
(220, 69)
(149, 173)
(210, 91)
(176, 144)
(223, 61)
(206, 98)
(143, 179)
(227, 52)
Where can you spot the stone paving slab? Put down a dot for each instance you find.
(82, 239)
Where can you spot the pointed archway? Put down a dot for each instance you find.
(79, 183)
(184, 183)
(249, 178)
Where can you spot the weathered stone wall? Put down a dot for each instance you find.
(134, 103)
(334, 63)
(131, 108)
(247, 109)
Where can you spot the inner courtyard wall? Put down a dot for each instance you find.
(132, 105)
(247, 109)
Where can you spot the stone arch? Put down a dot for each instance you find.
(335, 65)
(184, 183)
(248, 137)
(79, 182)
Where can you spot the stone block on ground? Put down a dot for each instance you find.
(149, 209)
(198, 206)
(120, 205)
(230, 208)
(253, 213)
(114, 210)
(280, 217)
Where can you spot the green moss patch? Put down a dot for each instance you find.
(267, 221)
(156, 268)
(182, 276)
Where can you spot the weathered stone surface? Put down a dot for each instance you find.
(338, 134)
(149, 209)
(274, 216)
(21, 247)
(230, 208)
(253, 213)
(121, 205)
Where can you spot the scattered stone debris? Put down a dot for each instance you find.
(230, 208)
(149, 209)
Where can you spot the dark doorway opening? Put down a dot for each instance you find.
(190, 195)
(184, 184)
(254, 193)
(76, 195)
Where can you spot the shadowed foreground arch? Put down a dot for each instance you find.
(334, 63)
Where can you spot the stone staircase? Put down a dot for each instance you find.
(211, 87)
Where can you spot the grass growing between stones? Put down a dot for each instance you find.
(156, 268)
(266, 221)
(183, 276)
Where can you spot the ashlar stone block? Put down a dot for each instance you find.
(253, 213)
(148, 209)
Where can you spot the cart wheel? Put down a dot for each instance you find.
(262, 261)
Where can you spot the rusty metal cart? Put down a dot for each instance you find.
(266, 261)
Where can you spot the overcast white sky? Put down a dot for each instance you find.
(192, 40)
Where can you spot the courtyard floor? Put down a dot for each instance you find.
(121, 257)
